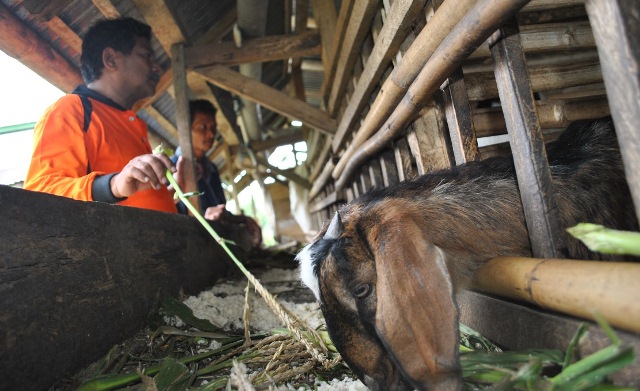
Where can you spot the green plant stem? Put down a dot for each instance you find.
(606, 240)
(106, 383)
(205, 224)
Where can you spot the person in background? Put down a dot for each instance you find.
(90, 145)
(212, 199)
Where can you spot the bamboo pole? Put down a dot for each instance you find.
(552, 114)
(474, 28)
(397, 83)
(573, 287)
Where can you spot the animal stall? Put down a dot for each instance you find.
(436, 87)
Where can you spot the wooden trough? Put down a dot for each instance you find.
(77, 278)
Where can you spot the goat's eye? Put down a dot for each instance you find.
(361, 290)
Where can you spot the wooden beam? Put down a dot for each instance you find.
(184, 122)
(159, 17)
(271, 48)
(113, 283)
(527, 144)
(333, 198)
(325, 15)
(332, 61)
(357, 29)
(269, 97)
(106, 8)
(25, 45)
(262, 145)
(620, 58)
(65, 33)
(290, 175)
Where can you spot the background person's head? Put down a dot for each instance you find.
(203, 126)
(118, 34)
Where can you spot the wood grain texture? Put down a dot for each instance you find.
(78, 277)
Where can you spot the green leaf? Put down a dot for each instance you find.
(173, 376)
(173, 307)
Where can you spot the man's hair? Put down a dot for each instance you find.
(119, 34)
(201, 106)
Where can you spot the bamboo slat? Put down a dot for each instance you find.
(397, 83)
(572, 287)
(474, 28)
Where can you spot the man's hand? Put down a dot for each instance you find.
(217, 212)
(141, 173)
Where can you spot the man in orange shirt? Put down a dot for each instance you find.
(90, 145)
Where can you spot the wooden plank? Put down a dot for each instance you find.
(264, 49)
(427, 141)
(617, 31)
(393, 32)
(375, 174)
(549, 37)
(269, 97)
(552, 114)
(327, 201)
(359, 22)
(184, 122)
(518, 326)
(365, 179)
(527, 144)
(159, 17)
(338, 38)
(263, 145)
(458, 112)
(25, 45)
(482, 86)
(402, 153)
(389, 170)
(289, 174)
(106, 8)
(79, 277)
(65, 33)
(326, 19)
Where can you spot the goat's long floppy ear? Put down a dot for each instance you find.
(416, 308)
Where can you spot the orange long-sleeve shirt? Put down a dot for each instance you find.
(67, 160)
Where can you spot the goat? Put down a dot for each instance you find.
(385, 270)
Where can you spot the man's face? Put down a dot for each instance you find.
(140, 71)
(203, 133)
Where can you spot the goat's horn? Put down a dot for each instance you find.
(335, 228)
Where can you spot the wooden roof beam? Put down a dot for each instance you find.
(25, 45)
(271, 48)
(269, 97)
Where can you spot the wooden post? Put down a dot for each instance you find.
(527, 144)
(458, 112)
(617, 33)
(183, 120)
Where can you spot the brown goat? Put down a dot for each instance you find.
(386, 268)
